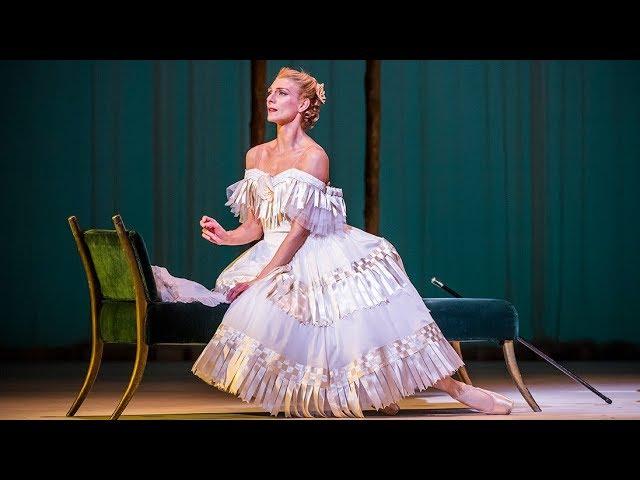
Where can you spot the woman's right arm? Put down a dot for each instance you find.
(247, 232)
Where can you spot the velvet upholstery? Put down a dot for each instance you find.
(111, 266)
(474, 319)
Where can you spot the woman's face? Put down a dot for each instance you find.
(283, 101)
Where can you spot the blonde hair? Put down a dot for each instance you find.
(309, 88)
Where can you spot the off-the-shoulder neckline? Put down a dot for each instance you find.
(287, 170)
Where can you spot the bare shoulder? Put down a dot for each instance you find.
(251, 157)
(316, 162)
(255, 153)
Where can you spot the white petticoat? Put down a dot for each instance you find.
(338, 330)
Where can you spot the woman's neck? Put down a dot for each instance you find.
(289, 137)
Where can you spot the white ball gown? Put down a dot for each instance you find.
(338, 330)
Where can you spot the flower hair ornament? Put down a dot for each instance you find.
(320, 92)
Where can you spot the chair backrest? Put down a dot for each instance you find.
(110, 265)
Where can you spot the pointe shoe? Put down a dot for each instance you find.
(484, 401)
(390, 410)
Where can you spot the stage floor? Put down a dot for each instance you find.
(45, 390)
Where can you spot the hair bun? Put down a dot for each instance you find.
(320, 92)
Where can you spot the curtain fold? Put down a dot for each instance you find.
(505, 179)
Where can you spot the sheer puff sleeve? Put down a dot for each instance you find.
(322, 211)
(239, 198)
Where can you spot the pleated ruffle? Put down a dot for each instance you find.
(365, 283)
(320, 212)
(294, 195)
(239, 364)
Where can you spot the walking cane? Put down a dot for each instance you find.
(548, 359)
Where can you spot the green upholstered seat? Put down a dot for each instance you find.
(474, 319)
(167, 323)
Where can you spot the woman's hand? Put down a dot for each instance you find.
(238, 289)
(213, 231)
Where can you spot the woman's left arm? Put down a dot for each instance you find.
(287, 249)
(316, 163)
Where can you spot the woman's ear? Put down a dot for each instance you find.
(304, 105)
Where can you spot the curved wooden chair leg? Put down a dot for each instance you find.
(138, 371)
(514, 371)
(92, 372)
(462, 373)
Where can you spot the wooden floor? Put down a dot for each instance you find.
(44, 391)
